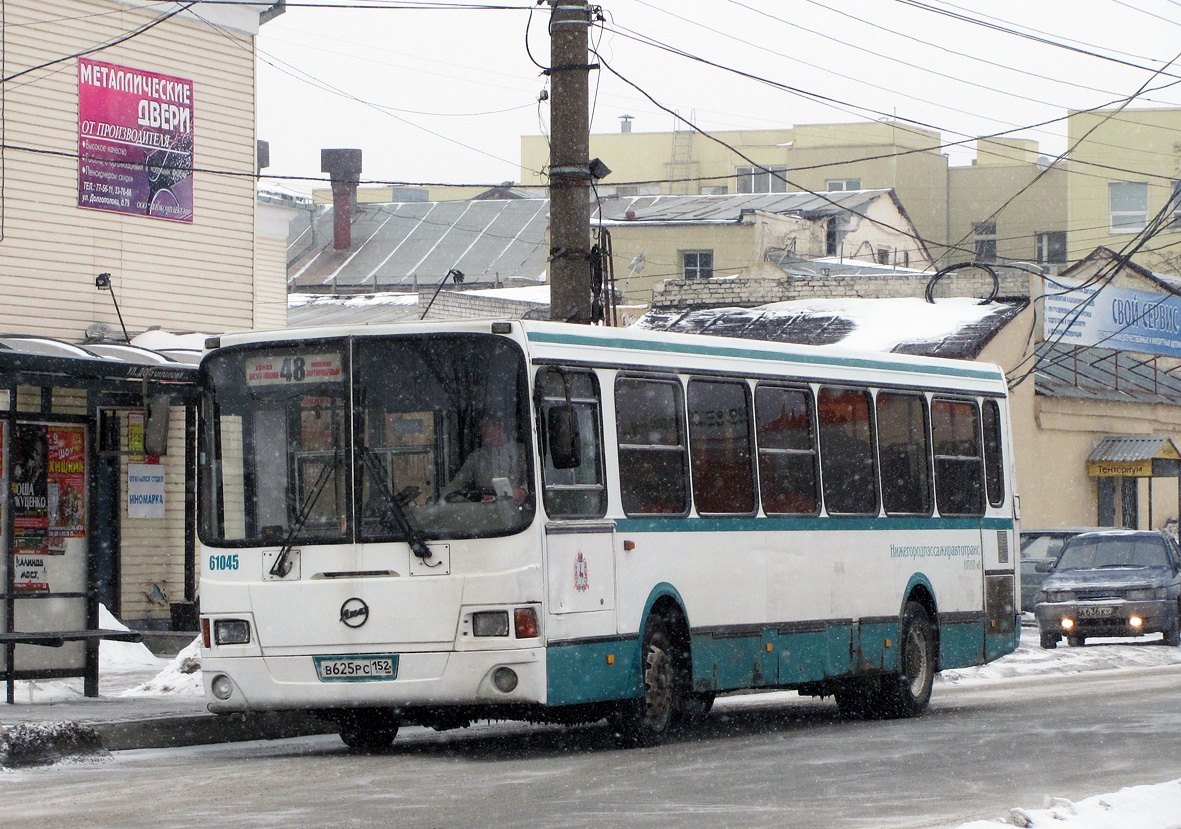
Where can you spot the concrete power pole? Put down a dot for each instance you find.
(569, 171)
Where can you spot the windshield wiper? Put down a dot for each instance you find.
(282, 566)
(395, 505)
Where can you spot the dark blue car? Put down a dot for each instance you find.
(1112, 583)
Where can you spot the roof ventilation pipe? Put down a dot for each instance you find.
(344, 169)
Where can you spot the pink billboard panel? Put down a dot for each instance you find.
(135, 141)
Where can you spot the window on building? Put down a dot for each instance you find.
(843, 184)
(1051, 247)
(883, 256)
(653, 457)
(720, 447)
(761, 180)
(788, 474)
(1128, 201)
(697, 264)
(984, 235)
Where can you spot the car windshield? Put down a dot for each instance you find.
(1084, 553)
(1042, 546)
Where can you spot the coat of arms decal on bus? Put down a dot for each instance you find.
(581, 580)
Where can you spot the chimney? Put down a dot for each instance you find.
(344, 168)
(625, 123)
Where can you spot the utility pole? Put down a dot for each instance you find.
(569, 170)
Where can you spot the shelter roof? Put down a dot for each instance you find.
(1133, 448)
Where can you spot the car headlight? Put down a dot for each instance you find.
(1060, 596)
(1144, 594)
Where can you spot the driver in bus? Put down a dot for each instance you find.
(497, 456)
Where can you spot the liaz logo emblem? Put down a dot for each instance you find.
(354, 613)
(581, 577)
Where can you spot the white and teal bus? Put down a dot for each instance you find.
(673, 517)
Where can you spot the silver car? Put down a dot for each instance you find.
(1112, 583)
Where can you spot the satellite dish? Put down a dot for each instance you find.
(637, 263)
(1042, 162)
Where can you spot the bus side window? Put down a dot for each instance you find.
(903, 454)
(788, 476)
(579, 491)
(719, 447)
(955, 429)
(994, 476)
(653, 458)
(846, 451)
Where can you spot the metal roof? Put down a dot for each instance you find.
(1133, 448)
(412, 243)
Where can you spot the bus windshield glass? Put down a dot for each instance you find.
(366, 439)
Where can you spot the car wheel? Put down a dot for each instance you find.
(1173, 632)
(646, 721)
(368, 730)
(1076, 641)
(1049, 640)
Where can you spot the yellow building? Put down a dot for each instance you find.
(127, 203)
(952, 207)
(871, 155)
(1123, 174)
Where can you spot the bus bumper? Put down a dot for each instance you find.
(434, 679)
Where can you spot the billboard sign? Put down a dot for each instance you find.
(135, 141)
(1121, 319)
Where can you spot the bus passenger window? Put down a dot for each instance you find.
(994, 477)
(653, 459)
(903, 455)
(846, 451)
(719, 447)
(788, 478)
(955, 429)
(579, 492)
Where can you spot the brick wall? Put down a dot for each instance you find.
(748, 292)
(450, 305)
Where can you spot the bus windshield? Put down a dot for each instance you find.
(365, 439)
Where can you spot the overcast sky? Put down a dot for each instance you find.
(440, 95)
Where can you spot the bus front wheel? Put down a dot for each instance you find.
(646, 721)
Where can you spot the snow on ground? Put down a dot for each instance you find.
(1136, 807)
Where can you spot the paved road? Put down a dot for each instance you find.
(761, 761)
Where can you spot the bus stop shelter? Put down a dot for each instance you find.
(68, 415)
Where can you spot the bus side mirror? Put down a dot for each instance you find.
(156, 413)
(562, 438)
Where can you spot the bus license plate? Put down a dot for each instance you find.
(360, 668)
(1096, 612)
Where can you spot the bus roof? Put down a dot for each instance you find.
(635, 348)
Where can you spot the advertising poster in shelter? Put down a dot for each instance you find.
(28, 484)
(66, 487)
(47, 485)
(135, 141)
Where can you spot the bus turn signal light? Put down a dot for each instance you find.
(525, 621)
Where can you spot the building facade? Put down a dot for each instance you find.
(127, 203)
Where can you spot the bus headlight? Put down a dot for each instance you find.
(222, 687)
(490, 623)
(231, 631)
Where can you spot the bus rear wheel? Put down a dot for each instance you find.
(907, 693)
(646, 721)
(368, 730)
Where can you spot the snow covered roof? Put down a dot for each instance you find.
(731, 208)
(955, 327)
